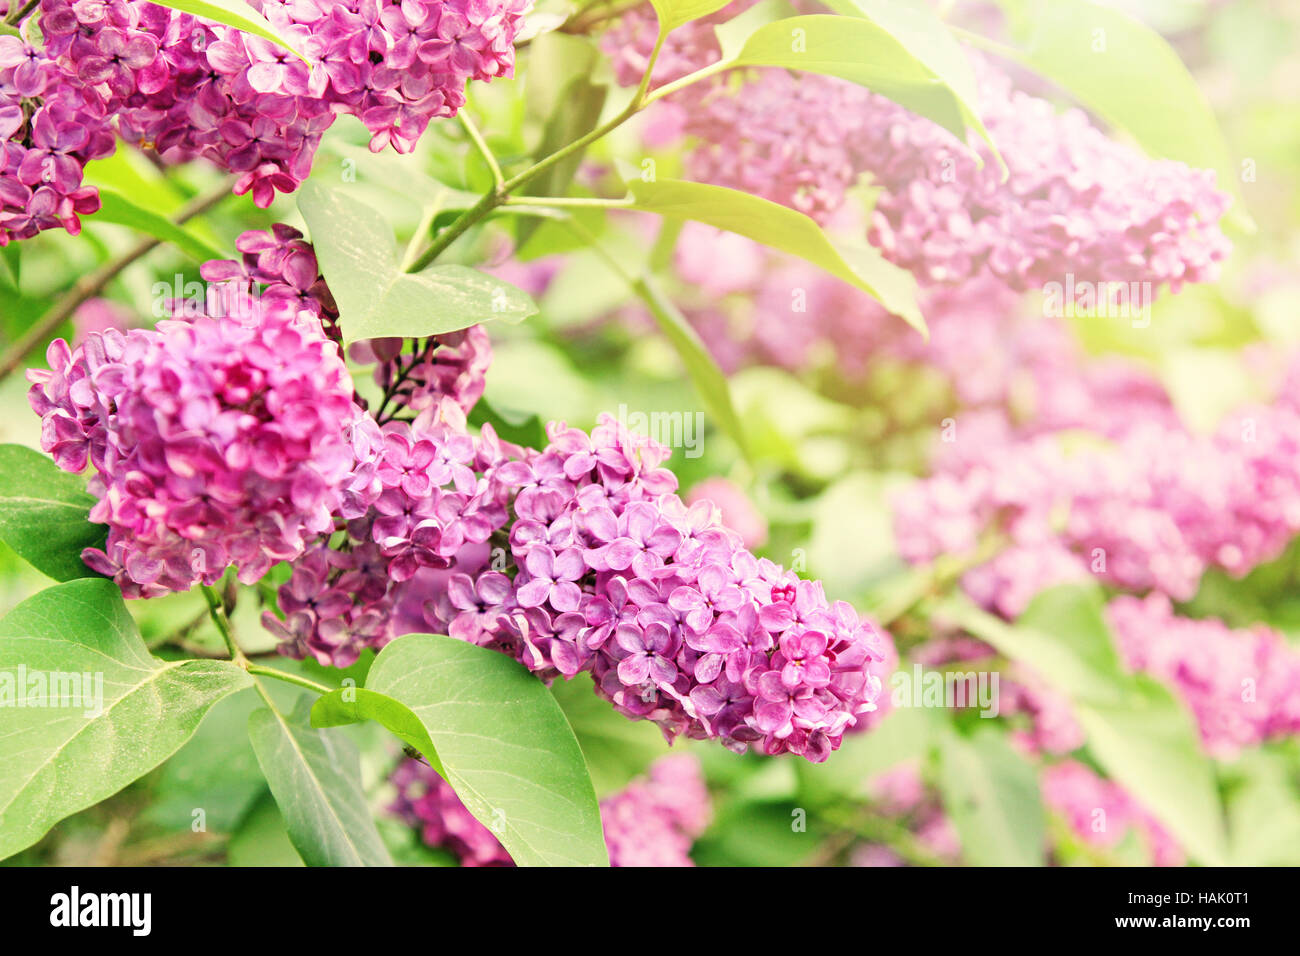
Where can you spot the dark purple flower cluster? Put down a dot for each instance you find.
(186, 87)
(581, 557)
(49, 130)
(653, 821)
(215, 442)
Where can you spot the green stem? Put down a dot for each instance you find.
(19, 13)
(877, 829)
(668, 89)
(501, 193)
(271, 672)
(484, 150)
(567, 202)
(217, 611)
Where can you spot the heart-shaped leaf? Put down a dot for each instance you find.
(497, 736)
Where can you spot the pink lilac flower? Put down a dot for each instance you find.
(1076, 203)
(98, 315)
(280, 265)
(986, 349)
(214, 443)
(186, 87)
(1151, 510)
(1103, 815)
(50, 128)
(652, 822)
(1243, 686)
(901, 793)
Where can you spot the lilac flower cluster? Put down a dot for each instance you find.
(214, 443)
(1076, 202)
(598, 567)
(49, 130)
(1243, 686)
(1103, 815)
(1150, 511)
(186, 87)
(652, 822)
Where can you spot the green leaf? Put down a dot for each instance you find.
(121, 211)
(673, 13)
(216, 772)
(500, 737)
(991, 795)
(1130, 76)
(784, 229)
(1140, 734)
(315, 776)
(1062, 636)
(1264, 812)
(1150, 745)
(901, 52)
(261, 838)
(617, 749)
(704, 372)
(43, 514)
(358, 258)
(518, 428)
(60, 750)
(233, 13)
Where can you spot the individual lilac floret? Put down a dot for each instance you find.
(651, 822)
(1102, 814)
(214, 443)
(1243, 686)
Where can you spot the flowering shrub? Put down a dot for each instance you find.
(754, 387)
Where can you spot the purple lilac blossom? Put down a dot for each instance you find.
(1150, 510)
(186, 87)
(1075, 203)
(598, 566)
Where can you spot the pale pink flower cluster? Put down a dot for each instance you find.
(1076, 202)
(1243, 686)
(1151, 510)
(1102, 814)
